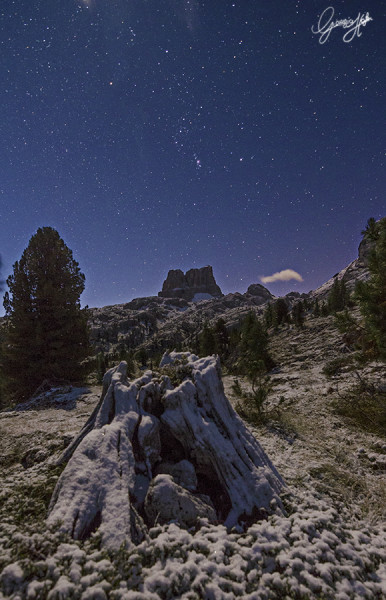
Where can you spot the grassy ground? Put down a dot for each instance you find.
(330, 544)
(324, 420)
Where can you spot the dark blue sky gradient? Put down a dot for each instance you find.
(159, 134)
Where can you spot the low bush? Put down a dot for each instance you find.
(251, 404)
(363, 405)
(30, 501)
(333, 367)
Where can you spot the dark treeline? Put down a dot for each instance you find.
(45, 335)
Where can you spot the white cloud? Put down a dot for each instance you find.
(285, 275)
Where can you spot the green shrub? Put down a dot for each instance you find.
(236, 388)
(334, 366)
(365, 406)
(30, 501)
(251, 405)
(178, 371)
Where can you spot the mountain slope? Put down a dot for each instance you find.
(330, 544)
(161, 323)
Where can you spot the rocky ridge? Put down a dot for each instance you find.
(160, 323)
(172, 318)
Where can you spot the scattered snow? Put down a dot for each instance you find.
(202, 296)
(321, 548)
(62, 590)
(11, 577)
(311, 553)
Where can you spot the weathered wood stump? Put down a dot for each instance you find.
(155, 452)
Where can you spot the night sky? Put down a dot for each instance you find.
(160, 134)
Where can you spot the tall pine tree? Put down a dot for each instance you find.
(207, 341)
(253, 343)
(338, 297)
(298, 314)
(46, 335)
(221, 338)
(372, 294)
(280, 312)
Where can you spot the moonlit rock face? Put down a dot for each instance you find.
(350, 275)
(153, 448)
(195, 282)
(170, 358)
(259, 292)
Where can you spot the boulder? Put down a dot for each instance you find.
(149, 441)
(237, 472)
(167, 501)
(183, 473)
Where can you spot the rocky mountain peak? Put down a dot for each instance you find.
(195, 282)
(258, 291)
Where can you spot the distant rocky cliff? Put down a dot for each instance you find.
(194, 284)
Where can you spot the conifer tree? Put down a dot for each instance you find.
(371, 232)
(221, 338)
(281, 314)
(46, 334)
(372, 294)
(101, 366)
(1, 350)
(254, 343)
(1, 281)
(298, 314)
(207, 341)
(338, 297)
(141, 356)
(268, 316)
(234, 339)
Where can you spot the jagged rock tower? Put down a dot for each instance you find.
(194, 284)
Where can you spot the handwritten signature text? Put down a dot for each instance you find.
(326, 25)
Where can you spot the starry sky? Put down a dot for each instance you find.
(160, 134)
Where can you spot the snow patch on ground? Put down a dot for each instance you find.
(201, 296)
(310, 553)
(324, 547)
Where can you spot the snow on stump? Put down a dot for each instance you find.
(167, 501)
(154, 451)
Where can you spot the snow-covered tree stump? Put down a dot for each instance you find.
(154, 452)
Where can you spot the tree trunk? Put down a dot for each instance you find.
(139, 430)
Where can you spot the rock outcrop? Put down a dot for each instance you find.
(365, 248)
(194, 284)
(153, 452)
(167, 501)
(354, 272)
(259, 293)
